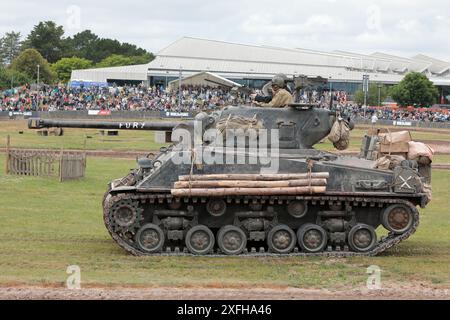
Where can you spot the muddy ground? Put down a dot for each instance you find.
(403, 292)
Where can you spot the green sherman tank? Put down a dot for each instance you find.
(290, 200)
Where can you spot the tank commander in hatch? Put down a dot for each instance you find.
(281, 97)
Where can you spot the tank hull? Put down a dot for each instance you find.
(341, 221)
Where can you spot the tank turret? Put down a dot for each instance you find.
(300, 126)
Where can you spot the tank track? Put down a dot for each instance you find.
(382, 245)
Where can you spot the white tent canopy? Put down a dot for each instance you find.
(204, 79)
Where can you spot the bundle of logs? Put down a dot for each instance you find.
(219, 185)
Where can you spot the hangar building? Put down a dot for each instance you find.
(253, 66)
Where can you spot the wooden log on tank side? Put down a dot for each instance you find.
(255, 177)
(223, 192)
(249, 184)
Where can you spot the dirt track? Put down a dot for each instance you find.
(408, 292)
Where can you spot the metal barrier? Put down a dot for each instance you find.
(405, 124)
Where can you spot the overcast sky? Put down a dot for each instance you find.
(402, 27)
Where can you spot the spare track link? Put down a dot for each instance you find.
(383, 244)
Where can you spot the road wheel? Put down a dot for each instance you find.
(362, 238)
(281, 239)
(150, 238)
(200, 240)
(231, 240)
(312, 238)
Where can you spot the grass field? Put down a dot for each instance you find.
(47, 226)
(76, 138)
(441, 159)
(143, 140)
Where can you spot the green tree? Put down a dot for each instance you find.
(143, 59)
(27, 62)
(103, 48)
(10, 46)
(372, 96)
(47, 38)
(11, 78)
(81, 45)
(128, 49)
(63, 68)
(415, 90)
(115, 60)
(100, 49)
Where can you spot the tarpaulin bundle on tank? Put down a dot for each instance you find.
(340, 134)
(389, 162)
(239, 122)
(250, 184)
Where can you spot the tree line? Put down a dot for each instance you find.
(57, 55)
(414, 90)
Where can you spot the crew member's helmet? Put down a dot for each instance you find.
(279, 80)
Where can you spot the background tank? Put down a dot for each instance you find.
(314, 203)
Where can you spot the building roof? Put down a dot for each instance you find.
(134, 72)
(205, 79)
(234, 61)
(436, 66)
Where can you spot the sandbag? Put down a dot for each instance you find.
(342, 144)
(340, 135)
(418, 150)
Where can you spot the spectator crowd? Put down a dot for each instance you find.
(141, 98)
(193, 98)
(397, 114)
(323, 98)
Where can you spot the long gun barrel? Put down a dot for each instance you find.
(146, 126)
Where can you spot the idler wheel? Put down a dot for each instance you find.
(362, 238)
(150, 238)
(397, 218)
(200, 240)
(312, 238)
(216, 207)
(281, 239)
(231, 240)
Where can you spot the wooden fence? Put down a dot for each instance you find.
(72, 165)
(45, 163)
